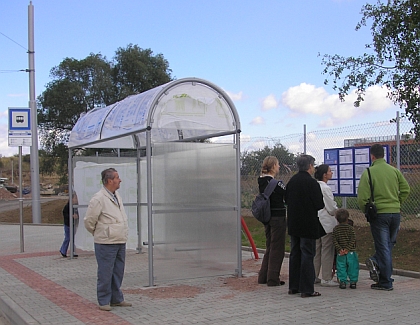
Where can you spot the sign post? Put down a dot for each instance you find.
(20, 135)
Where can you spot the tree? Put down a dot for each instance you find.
(394, 61)
(78, 86)
(137, 70)
(81, 85)
(251, 161)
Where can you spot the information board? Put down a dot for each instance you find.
(347, 165)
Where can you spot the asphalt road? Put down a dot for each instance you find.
(14, 204)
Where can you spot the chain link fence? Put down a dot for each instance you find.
(406, 157)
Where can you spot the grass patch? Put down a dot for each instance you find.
(405, 253)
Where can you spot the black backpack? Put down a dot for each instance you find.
(261, 205)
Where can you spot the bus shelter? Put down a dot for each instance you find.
(181, 187)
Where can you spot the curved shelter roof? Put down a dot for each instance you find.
(184, 109)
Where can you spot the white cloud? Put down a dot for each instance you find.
(308, 99)
(311, 137)
(4, 114)
(257, 121)
(235, 97)
(18, 95)
(269, 102)
(245, 138)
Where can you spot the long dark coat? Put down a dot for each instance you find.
(304, 198)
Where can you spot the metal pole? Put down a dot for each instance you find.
(71, 220)
(238, 204)
(304, 139)
(36, 205)
(398, 141)
(149, 205)
(22, 245)
(139, 189)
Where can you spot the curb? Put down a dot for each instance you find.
(14, 313)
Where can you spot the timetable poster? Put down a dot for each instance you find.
(347, 166)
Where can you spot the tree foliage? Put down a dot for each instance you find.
(136, 70)
(78, 86)
(393, 60)
(81, 85)
(252, 160)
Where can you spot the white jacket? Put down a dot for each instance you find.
(105, 220)
(327, 214)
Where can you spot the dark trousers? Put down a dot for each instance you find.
(275, 234)
(301, 264)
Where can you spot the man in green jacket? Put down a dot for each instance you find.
(390, 189)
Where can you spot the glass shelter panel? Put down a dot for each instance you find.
(194, 210)
(87, 181)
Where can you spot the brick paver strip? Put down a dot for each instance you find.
(75, 305)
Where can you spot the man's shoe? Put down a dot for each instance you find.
(122, 304)
(377, 286)
(373, 269)
(63, 255)
(317, 280)
(352, 285)
(105, 307)
(343, 285)
(328, 283)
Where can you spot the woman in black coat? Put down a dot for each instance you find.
(275, 229)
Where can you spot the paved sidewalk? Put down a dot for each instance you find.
(40, 287)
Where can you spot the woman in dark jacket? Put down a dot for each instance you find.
(275, 229)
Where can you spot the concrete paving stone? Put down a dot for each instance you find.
(65, 283)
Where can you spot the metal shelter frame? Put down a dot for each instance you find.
(148, 109)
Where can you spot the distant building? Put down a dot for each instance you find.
(409, 149)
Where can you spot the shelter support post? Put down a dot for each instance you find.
(71, 221)
(238, 204)
(139, 243)
(149, 204)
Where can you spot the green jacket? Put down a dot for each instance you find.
(390, 188)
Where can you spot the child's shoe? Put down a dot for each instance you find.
(352, 285)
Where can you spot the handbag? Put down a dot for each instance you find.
(371, 212)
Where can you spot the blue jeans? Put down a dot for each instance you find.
(111, 264)
(66, 241)
(384, 232)
(301, 264)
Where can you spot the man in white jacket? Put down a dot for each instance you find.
(106, 220)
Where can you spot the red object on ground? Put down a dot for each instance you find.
(251, 241)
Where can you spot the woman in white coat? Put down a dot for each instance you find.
(324, 257)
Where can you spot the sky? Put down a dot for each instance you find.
(264, 54)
